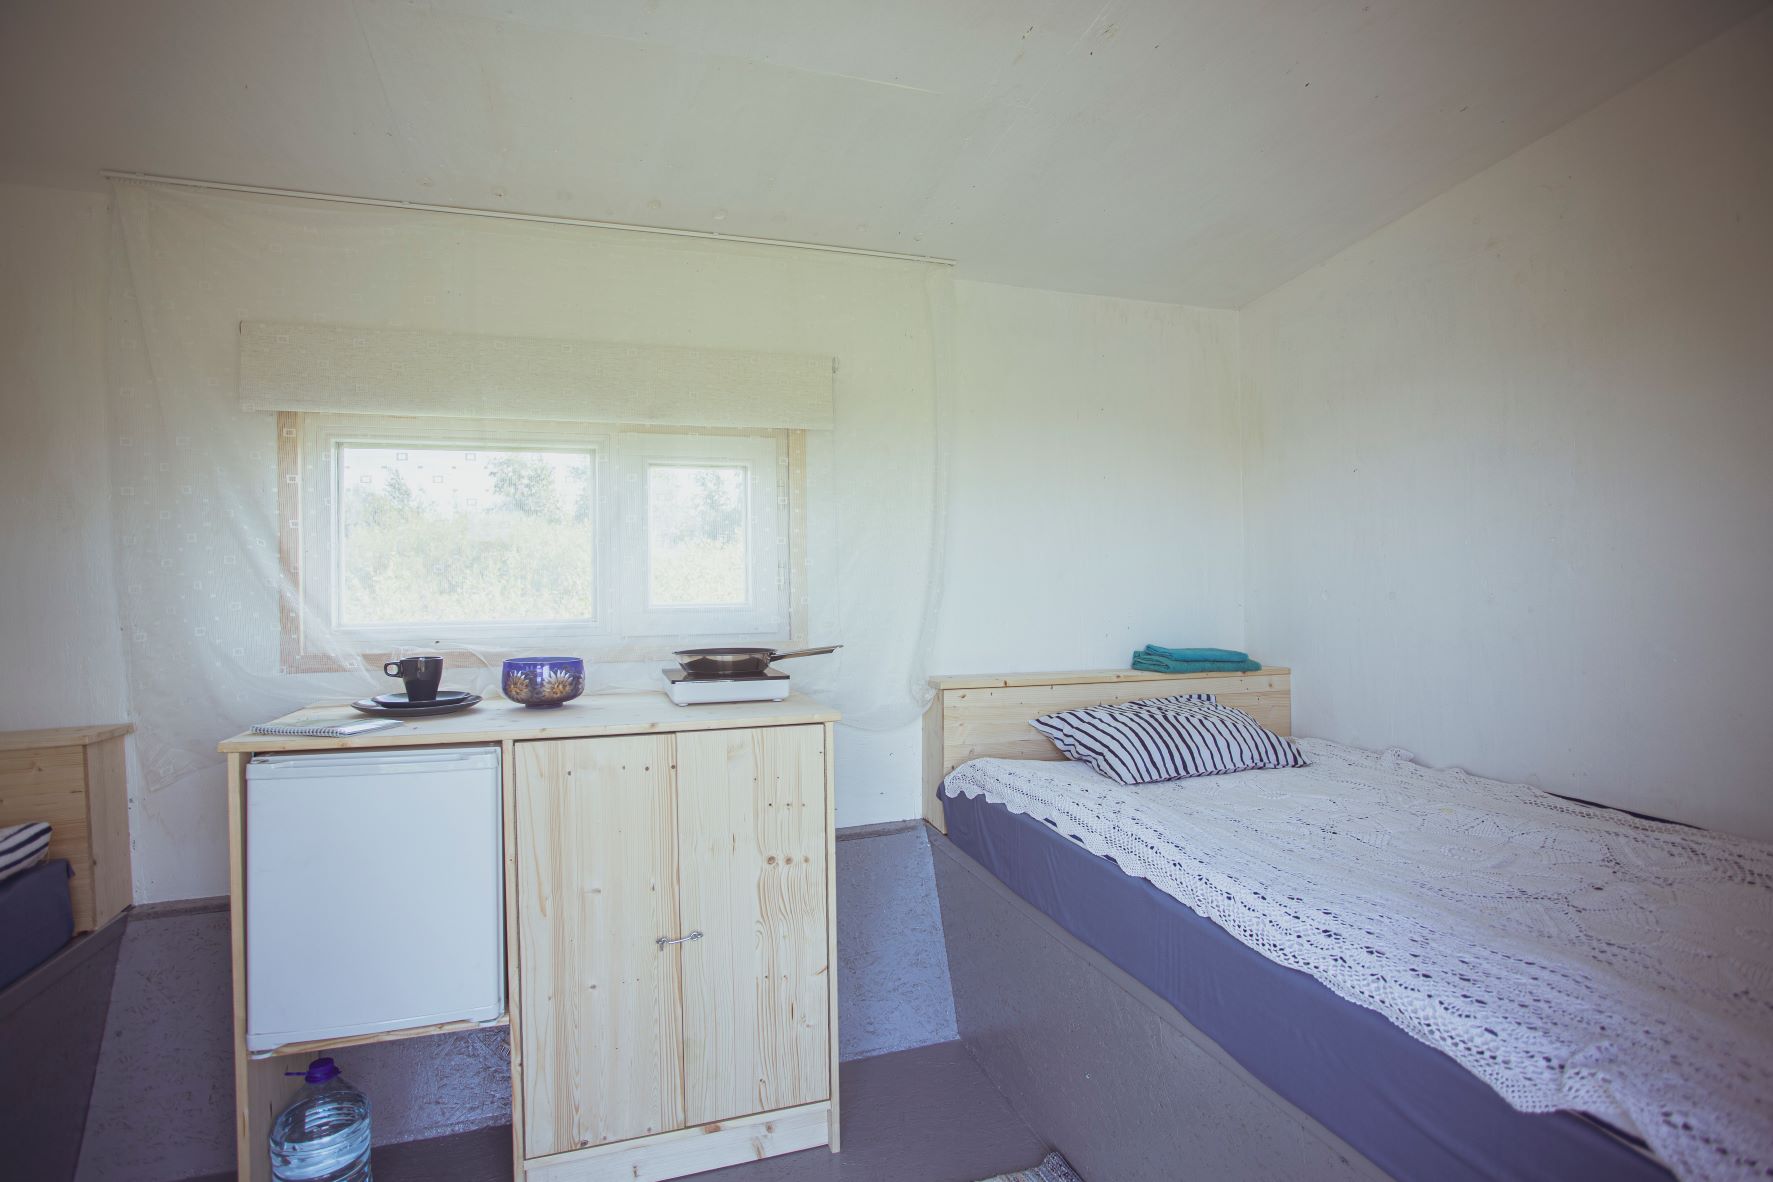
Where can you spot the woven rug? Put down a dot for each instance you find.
(1053, 1169)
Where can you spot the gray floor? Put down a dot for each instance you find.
(52, 1022)
(927, 1115)
(173, 1004)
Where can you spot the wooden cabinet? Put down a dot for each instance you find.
(674, 930)
(752, 880)
(596, 887)
(670, 948)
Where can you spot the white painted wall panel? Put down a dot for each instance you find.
(1510, 496)
(61, 658)
(1095, 500)
(333, 367)
(58, 632)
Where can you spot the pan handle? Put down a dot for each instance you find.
(805, 652)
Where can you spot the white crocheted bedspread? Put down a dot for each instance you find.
(1572, 957)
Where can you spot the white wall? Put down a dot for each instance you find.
(61, 658)
(1510, 460)
(1095, 499)
(1068, 412)
(61, 651)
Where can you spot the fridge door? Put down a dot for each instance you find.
(374, 893)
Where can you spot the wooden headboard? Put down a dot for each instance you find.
(73, 777)
(987, 716)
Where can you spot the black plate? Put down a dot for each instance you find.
(421, 710)
(401, 702)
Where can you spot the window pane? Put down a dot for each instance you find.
(433, 535)
(696, 532)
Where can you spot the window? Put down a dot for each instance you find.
(434, 535)
(485, 537)
(695, 539)
(703, 518)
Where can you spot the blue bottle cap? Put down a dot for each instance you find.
(320, 1070)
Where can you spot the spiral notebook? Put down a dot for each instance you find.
(325, 730)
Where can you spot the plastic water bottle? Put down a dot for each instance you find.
(324, 1135)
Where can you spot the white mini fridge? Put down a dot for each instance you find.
(374, 892)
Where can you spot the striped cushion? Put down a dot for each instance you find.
(22, 846)
(1166, 739)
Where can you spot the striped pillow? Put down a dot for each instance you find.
(22, 847)
(1166, 739)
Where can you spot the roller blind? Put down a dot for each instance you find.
(341, 368)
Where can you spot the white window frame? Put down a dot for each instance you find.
(621, 625)
(766, 493)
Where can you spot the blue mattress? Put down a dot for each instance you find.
(36, 918)
(1411, 1109)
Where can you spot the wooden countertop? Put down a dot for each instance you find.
(496, 720)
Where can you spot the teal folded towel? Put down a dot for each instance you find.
(1148, 663)
(1215, 655)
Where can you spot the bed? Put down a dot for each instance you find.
(36, 918)
(1263, 1070)
(73, 779)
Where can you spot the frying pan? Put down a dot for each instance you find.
(738, 662)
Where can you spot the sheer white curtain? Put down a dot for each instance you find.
(195, 472)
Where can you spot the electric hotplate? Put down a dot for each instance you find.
(688, 689)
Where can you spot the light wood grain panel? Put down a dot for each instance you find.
(933, 758)
(1073, 677)
(62, 736)
(601, 1008)
(513, 950)
(753, 850)
(50, 785)
(45, 785)
(269, 1090)
(834, 1134)
(289, 545)
(73, 777)
(991, 721)
(314, 1045)
(244, 1076)
(107, 810)
(500, 721)
(994, 722)
(797, 540)
(691, 1150)
(261, 1090)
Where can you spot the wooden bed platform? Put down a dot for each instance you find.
(1095, 1060)
(1109, 1072)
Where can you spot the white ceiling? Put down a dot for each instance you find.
(1195, 151)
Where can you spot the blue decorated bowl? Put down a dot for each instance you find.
(543, 682)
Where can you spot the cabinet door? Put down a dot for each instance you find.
(597, 887)
(751, 849)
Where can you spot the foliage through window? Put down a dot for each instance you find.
(695, 535)
(428, 535)
(507, 535)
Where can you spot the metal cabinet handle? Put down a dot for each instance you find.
(664, 940)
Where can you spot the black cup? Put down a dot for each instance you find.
(421, 675)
